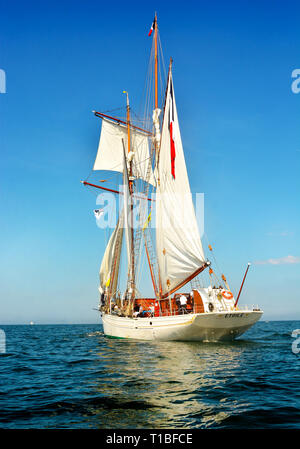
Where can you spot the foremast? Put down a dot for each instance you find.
(129, 177)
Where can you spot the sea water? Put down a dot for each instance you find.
(72, 376)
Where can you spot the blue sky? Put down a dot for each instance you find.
(240, 128)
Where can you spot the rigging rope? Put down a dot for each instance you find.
(215, 262)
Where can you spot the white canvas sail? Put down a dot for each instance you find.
(110, 150)
(107, 266)
(179, 249)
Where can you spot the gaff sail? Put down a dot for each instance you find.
(110, 150)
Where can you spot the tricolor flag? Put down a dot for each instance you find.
(152, 28)
(98, 213)
(171, 129)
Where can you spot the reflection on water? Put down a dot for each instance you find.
(176, 383)
(75, 377)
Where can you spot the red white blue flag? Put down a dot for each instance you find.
(152, 28)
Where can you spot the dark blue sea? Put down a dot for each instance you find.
(72, 376)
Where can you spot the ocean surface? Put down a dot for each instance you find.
(72, 376)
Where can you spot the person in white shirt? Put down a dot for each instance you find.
(183, 302)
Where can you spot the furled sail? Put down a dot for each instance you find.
(111, 259)
(127, 218)
(110, 150)
(179, 249)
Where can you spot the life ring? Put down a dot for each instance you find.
(210, 307)
(227, 295)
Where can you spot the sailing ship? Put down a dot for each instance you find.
(149, 156)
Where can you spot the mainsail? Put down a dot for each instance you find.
(179, 249)
(110, 150)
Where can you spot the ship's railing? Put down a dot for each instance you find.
(245, 307)
(177, 311)
(194, 309)
(199, 309)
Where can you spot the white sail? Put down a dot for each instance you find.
(107, 266)
(179, 249)
(110, 150)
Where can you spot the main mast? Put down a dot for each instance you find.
(156, 124)
(155, 62)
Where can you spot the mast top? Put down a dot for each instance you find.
(127, 97)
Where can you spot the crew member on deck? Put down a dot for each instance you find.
(183, 301)
(141, 310)
(152, 310)
(102, 299)
(189, 305)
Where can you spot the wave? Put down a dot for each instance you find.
(81, 405)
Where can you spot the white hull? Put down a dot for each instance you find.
(212, 326)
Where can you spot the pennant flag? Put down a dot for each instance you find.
(152, 28)
(147, 222)
(98, 213)
(107, 283)
(172, 131)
